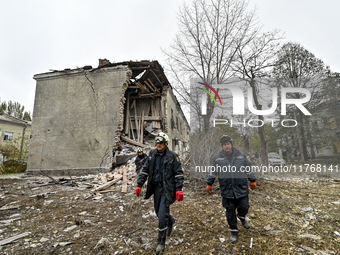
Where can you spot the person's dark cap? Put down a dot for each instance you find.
(226, 138)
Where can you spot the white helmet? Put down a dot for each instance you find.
(139, 150)
(162, 137)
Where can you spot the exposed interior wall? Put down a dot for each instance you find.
(77, 120)
(143, 118)
(177, 125)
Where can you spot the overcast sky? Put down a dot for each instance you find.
(39, 35)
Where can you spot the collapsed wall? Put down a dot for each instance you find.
(77, 119)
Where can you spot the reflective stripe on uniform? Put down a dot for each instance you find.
(178, 175)
(162, 229)
(144, 173)
(234, 230)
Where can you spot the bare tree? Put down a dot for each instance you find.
(255, 60)
(297, 67)
(210, 34)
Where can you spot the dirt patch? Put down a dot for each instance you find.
(287, 216)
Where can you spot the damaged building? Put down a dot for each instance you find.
(83, 117)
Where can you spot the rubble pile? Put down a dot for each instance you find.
(91, 215)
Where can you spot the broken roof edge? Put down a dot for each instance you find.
(139, 67)
(74, 72)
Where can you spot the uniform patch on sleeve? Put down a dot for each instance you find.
(177, 159)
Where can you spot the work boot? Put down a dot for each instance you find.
(160, 248)
(233, 238)
(245, 224)
(170, 227)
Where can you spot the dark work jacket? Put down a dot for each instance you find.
(140, 162)
(232, 184)
(172, 175)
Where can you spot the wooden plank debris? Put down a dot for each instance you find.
(108, 184)
(133, 135)
(133, 142)
(127, 116)
(140, 85)
(142, 128)
(106, 191)
(13, 238)
(137, 126)
(9, 207)
(152, 95)
(150, 118)
(187, 161)
(153, 85)
(109, 176)
(150, 87)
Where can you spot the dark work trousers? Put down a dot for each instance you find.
(242, 206)
(162, 212)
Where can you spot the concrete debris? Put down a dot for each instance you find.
(43, 239)
(222, 240)
(6, 222)
(314, 251)
(311, 216)
(9, 207)
(102, 242)
(15, 215)
(13, 238)
(63, 244)
(307, 209)
(47, 202)
(70, 228)
(178, 241)
(268, 228)
(77, 235)
(314, 237)
(88, 223)
(100, 196)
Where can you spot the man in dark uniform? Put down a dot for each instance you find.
(140, 160)
(165, 181)
(232, 169)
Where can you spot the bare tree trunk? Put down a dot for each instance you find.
(260, 130)
(246, 144)
(309, 139)
(264, 150)
(206, 118)
(303, 139)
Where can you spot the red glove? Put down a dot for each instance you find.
(179, 195)
(138, 191)
(252, 185)
(209, 189)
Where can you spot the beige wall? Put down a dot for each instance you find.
(180, 131)
(16, 129)
(77, 117)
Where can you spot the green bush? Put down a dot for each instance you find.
(15, 160)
